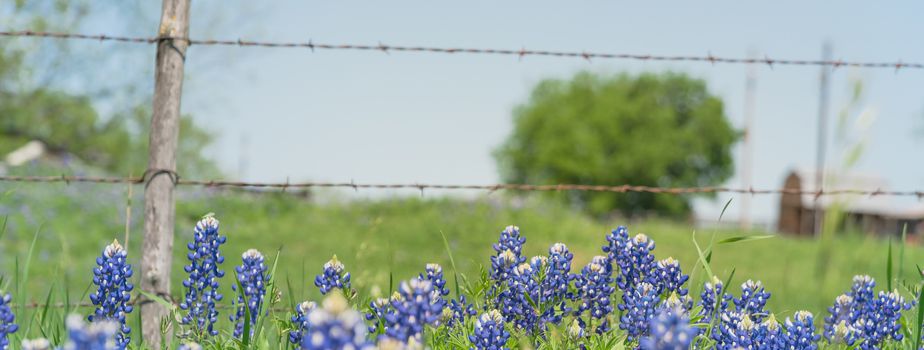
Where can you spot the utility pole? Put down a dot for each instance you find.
(822, 136)
(160, 178)
(747, 151)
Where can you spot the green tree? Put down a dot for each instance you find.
(650, 129)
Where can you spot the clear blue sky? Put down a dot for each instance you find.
(372, 117)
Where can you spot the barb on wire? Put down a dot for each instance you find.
(520, 53)
(491, 187)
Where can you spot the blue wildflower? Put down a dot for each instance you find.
(7, 319)
(335, 326)
(99, 335)
(843, 314)
(752, 301)
(638, 307)
(636, 264)
(378, 308)
(113, 290)
(300, 321)
(189, 346)
(419, 305)
(800, 333)
(518, 299)
(489, 332)
(434, 274)
(252, 277)
(508, 255)
(202, 283)
(594, 287)
(860, 318)
(713, 300)
(461, 310)
(332, 276)
(668, 278)
(510, 239)
(669, 330)
(617, 246)
(881, 321)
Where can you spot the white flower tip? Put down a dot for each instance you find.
(113, 248)
(252, 254)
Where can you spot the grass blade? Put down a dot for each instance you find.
(748, 238)
(455, 272)
(889, 267)
(901, 252)
(702, 257)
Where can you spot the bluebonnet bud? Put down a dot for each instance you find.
(510, 239)
(332, 276)
(862, 290)
(335, 326)
(800, 332)
(594, 287)
(639, 306)
(752, 301)
(713, 300)
(668, 278)
(113, 290)
(434, 274)
(489, 332)
(7, 319)
(252, 277)
(419, 305)
(99, 335)
(669, 330)
(202, 283)
(637, 263)
(300, 321)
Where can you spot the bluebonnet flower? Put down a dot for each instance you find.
(99, 335)
(37, 344)
(594, 287)
(335, 326)
(7, 319)
(113, 290)
(386, 343)
(202, 284)
(862, 290)
(616, 248)
(510, 239)
(800, 333)
(419, 305)
(845, 313)
(881, 321)
(669, 330)
(637, 263)
(189, 346)
(300, 321)
(252, 277)
(434, 274)
(515, 301)
(558, 276)
(668, 278)
(461, 310)
(736, 330)
(378, 308)
(489, 332)
(332, 276)
(752, 301)
(713, 300)
(508, 255)
(639, 306)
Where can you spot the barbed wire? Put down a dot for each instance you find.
(492, 188)
(61, 305)
(523, 52)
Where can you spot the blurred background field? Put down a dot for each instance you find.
(392, 239)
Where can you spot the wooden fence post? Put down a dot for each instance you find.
(157, 249)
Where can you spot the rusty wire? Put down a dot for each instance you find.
(495, 187)
(35, 305)
(310, 45)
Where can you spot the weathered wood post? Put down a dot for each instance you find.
(157, 249)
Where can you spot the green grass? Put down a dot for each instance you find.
(384, 242)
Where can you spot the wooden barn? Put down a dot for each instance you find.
(876, 215)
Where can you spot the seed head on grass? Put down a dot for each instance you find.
(113, 290)
(202, 283)
(252, 277)
(489, 333)
(332, 277)
(7, 320)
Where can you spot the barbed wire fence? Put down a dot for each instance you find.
(312, 46)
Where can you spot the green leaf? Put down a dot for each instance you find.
(747, 238)
(920, 318)
(889, 267)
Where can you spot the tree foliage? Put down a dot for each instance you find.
(650, 129)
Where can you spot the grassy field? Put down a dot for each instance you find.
(391, 240)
